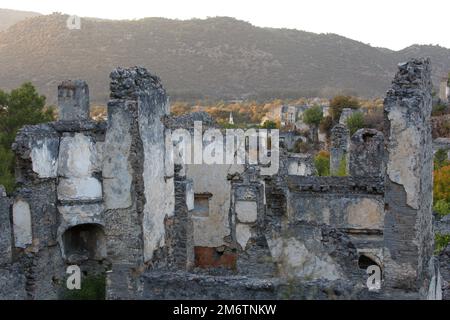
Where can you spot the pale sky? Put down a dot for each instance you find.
(393, 24)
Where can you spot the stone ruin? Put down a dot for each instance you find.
(339, 149)
(108, 197)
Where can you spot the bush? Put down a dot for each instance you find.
(440, 243)
(342, 172)
(441, 159)
(301, 147)
(322, 163)
(92, 288)
(313, 116)
(374, 120)
(441, 187)
(442, 208)
(439, 110)
(269, 124)
(325, 125)
(338, 103)
(355, 122)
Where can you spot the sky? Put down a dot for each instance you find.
(393, 24)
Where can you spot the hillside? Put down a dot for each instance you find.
(217, 57)
(9, 17)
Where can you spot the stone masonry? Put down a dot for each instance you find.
(340, 143)
(366, 153)
(408, 233)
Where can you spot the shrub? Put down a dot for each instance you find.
(440, 159)
(301, 147)
(441, 187)
(355, 122)
(342, 171)
(322, 163)
(338, 103)
(442, 207)
(269, 124)
(325, 125)
(438, 110)
(440, 243)
(313, 116)
(92, 288)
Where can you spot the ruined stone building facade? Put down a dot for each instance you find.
(107, 196)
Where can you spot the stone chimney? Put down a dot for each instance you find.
(73, 100)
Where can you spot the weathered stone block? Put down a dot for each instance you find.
(366, 214)
(40, 144)
(43, 157)
(246, 211)
(117, 170)
(77, 156)
(79, 189)
(243, 234)
(190, 195)
(22, 224)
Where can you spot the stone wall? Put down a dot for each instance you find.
(408, 233)
(340, 141)
(108, 195)
(366, 153)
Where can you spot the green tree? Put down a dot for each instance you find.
(338, 103)
(312, 117)
(20, 107)
(269, 124)
(355, 122)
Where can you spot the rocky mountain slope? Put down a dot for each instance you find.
(217, 58)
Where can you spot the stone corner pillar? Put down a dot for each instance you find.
(408, 234)
(340, 141)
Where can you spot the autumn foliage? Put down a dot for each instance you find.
(441, 187)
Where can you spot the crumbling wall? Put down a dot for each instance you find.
(408, 234)
(139, 176)
(340, 140)
(34, 214)
(366, 153)
(301, 165)
(249, 225)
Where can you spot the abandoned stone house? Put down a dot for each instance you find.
(108, 197)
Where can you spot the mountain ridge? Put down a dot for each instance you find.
(9, 17)
(217, 58)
